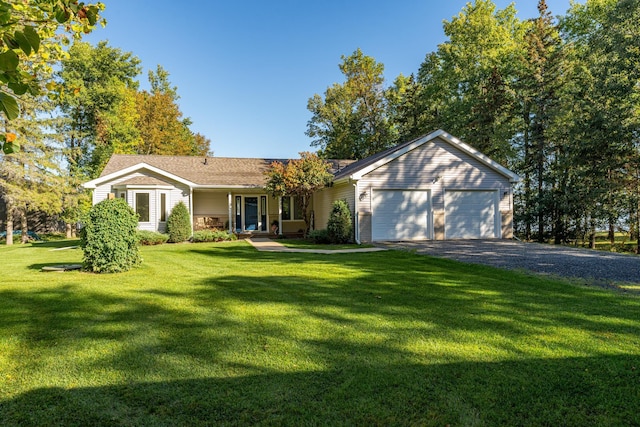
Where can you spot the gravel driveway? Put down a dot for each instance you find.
(599, 267)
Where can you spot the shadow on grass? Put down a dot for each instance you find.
(579, 391)
(38, 267)
(366, 316)
(57, 243)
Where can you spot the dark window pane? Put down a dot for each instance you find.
(297, 212)
(286, 208)
(142, 206)
(163, 207)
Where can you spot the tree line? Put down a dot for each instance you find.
(68, 106)
(556, 99)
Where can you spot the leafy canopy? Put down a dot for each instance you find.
(27, 28)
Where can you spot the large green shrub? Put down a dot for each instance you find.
(339, 226)
(109, 237)
(179, 224)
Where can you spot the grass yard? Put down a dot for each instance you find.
(220, 334)
(306, 244)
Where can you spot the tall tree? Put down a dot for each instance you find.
(30, 178)
(408, 114)
(351, 121)
(467, 81)
(539, 85)
(94, 82)
(606, 33)
(163, 130)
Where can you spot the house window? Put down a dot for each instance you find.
(291, 208)
(286, 208)
(163, 207)
(123, 195)
(142, 207)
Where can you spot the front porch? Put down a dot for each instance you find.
(245, 213)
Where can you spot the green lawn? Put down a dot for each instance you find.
(306, 244)
(220, 334)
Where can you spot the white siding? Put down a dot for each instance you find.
(179, 192)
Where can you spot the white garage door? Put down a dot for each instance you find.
(470, 214)
(400, 215)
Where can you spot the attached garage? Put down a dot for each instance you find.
(471, 214)
(433, 187)
(400, 215)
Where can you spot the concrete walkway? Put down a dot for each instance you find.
(267, 245)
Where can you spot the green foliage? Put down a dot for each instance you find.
(212, 236)
(96, 95)
(320, 237)
(351, 122)
(339, 226)
(31, 34)
(150, 238)
(109, 237)
(179, 224)
(300, 177)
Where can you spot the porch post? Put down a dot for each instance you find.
(191, 208)
(230, 206)
(280, 215)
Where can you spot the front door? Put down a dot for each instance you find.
(251, 213)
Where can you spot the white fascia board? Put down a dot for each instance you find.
(143, 187)
(100, 180)
(226, 187)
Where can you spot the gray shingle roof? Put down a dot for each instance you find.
(219, 171)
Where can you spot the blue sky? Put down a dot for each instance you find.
(245, 70)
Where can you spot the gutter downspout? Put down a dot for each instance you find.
(356, 222)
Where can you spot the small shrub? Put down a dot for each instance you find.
(150, 238)
(319, 237)
(339, 226)
(109, 238)
(212, 236)
(179, 224)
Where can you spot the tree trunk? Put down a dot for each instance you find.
(612, 233)
(592, 234)
(527, 177)
(24, 226)
(68, 226)
(9, 208)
